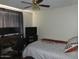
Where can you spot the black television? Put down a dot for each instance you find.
(9, 30)
(1, 30)
(31, 30)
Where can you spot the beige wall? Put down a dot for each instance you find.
(59, 23)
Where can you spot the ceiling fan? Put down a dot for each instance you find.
(35, 4)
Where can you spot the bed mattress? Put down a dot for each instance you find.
(43, 50)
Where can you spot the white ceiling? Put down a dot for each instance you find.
(52, 3)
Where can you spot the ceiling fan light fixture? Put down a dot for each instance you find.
(35, 4)
(35, 7)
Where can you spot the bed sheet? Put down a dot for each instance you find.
(43, 50)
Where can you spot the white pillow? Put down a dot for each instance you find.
(73, 40)
(72, 44)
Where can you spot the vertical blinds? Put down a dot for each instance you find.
(9, 19)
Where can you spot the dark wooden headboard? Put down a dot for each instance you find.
(53, 40)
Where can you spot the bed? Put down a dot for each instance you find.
(47, 50)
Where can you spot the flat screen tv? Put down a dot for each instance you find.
(31, 30)
(9, 30)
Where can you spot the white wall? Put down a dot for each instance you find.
(59, 23)
(27, 16)
(9, 7)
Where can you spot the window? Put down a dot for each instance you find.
(11, 19)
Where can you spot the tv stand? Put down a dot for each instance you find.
(8, 40)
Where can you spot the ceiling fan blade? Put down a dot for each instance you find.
(39, 1)
(26, 2)
(27, 7)
(44, 5)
